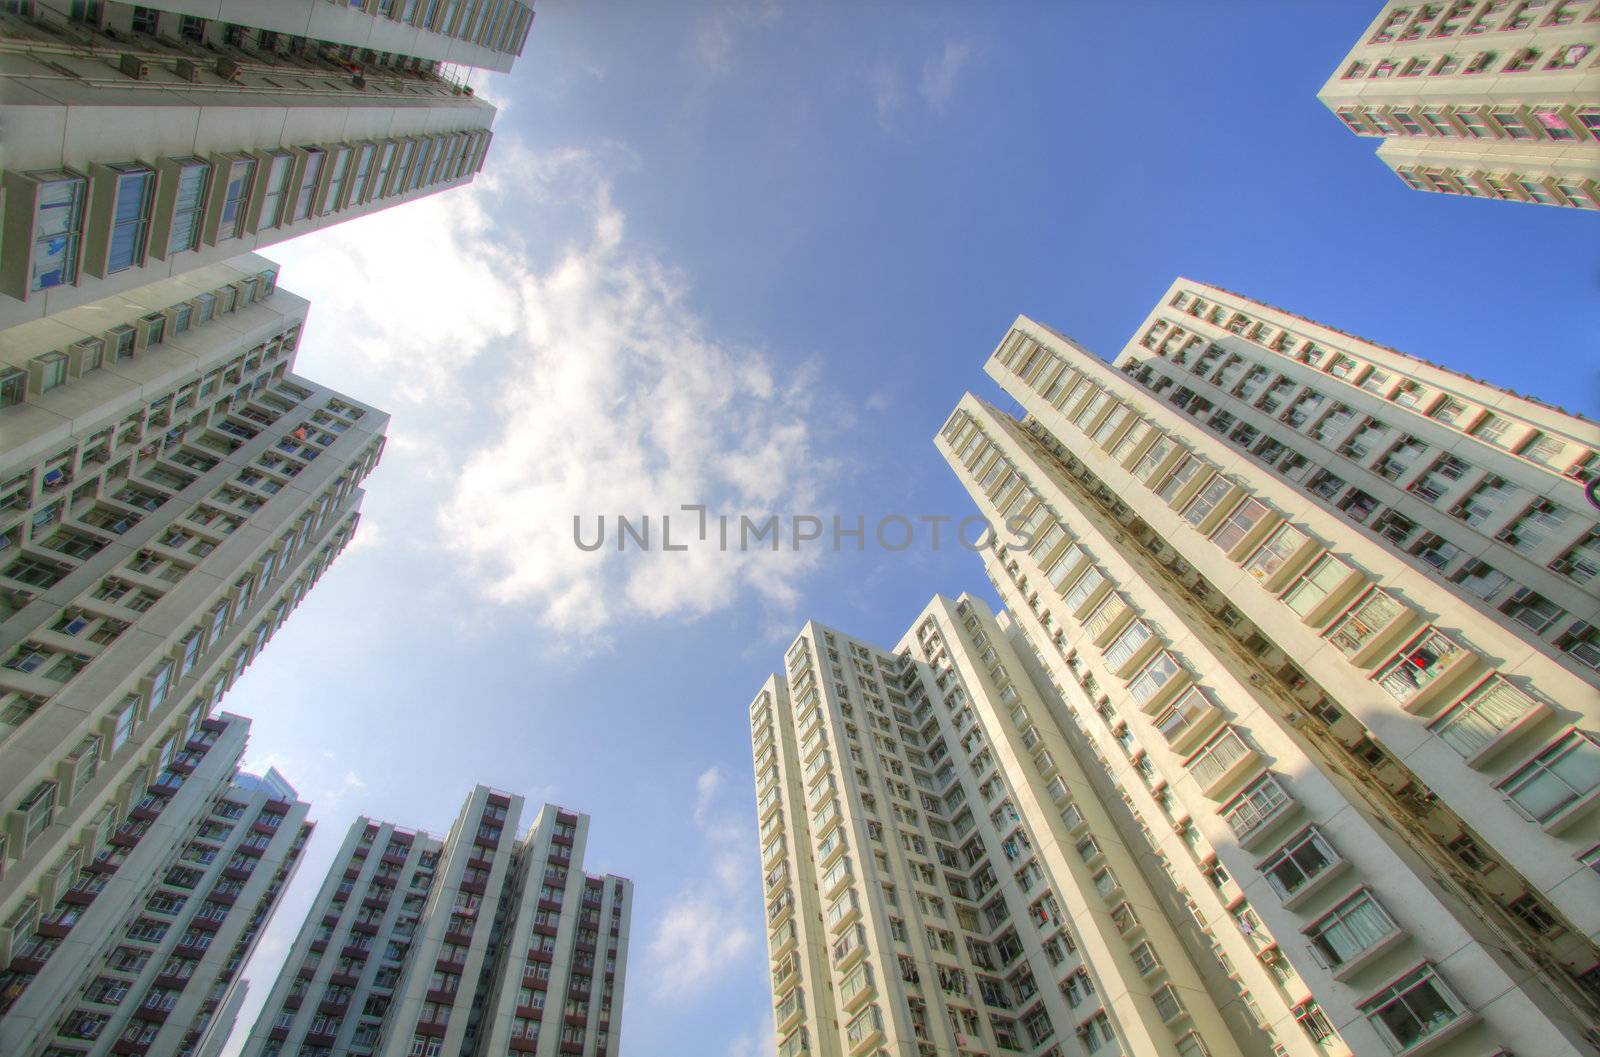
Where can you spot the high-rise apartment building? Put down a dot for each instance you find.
(166, 500)
(1488, 98)
(943, 876)
(145, 140)
(1324, 612)
(136, 937)
(476, 943)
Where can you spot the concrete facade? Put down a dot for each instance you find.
(477, 943)
(1488, 98)
(137, 150)
(168, 501)
(142, 951)
(1254, 558)
(943, 876)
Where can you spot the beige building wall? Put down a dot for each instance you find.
(339, 975)
(1487, 98)
(473, 943)
(928, 893)
(136, 156)
(145, 946)
(483, 34)
(1259, 652)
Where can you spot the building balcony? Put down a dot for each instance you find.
(790, 1012)
(1257, 813)
(1222, 763)
(849, 949)
(864, 1032)
(783, 939)
(859, 989)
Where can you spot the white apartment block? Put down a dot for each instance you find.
(146, 140)
(476, 943)
(145, 926)
(1324, 612)
(168, 498)
(1489, 98)
(927, 894)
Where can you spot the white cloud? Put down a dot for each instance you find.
(888, 88)
(888, 93)
(758, 1043)
(694, 945)
(716, 32)
(546, 370)
(315, 784)
(706, 787)
(939, 74)
(703, 936)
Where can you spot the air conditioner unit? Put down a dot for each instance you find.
(187, 69)
(228, 69)
(134, 67)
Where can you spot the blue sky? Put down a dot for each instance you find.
(750, 255)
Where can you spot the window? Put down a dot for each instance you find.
(1412, 1008)
(1316, 584)
(1178, 477)
(1153, 676)
(1483, 715)
(1557, 778)
(240, 176)
(1350, 929)
(1153, 457)
(1365, 621)
(1185, 714)
(363, 170)
(189, 207)
(38, 808)
(273, 206)
(1200, 507)
(57, 229)
(1261, 802)
(1219, 756)
(308, 184)
(1168, 1006)
(52, 370)
(1277, 550)
(1245, 517)
(338, 173)
(1128, 644)
(130, 221)
(1306, 856)
(1427, 657)
(425, 1046)
(13, 386)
